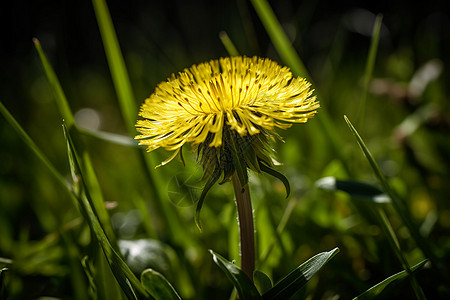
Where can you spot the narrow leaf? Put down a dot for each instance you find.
(244, 286)
(90, 274)
(290, 57)
(124, 276)
(266, 169)
(69, 121)
(32, 146)
(211, 181)
(298, 278)
(397, 203)
(58, 92)
(388, 282)
(228, 44)
(370, 63)
(158, 286)
(129, 111)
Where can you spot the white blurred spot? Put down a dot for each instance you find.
(424, 75)
(88, 118)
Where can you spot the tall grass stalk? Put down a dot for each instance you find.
(69, 121)
(292, 59)
(128, 107)
(370, 63)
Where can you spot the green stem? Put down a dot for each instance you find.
(246, 230)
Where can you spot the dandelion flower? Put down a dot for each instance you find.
(227, 109)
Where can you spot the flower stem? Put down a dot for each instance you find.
(245, 217)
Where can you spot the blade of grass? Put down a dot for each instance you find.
(369, 66)
(158, 286)
(398, 204)
(228, 44)
(295, 280)
(128, 107)
(377, 289)
(292, 59)
(245, 287)
(125, 277)
(91, 178)
(57, 90)
(32, 146)
(395, 246)
(400, 208)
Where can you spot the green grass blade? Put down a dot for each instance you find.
(295, 280)
(32, 146)
(116, 64)
(245, 287)
(124, 276)
(387, 283)
(129, 111)
(292, 59)
(370, 63)
(91, 178)
(58, 92)
(158, 286)
(89, 271)
(228, 44)
(278, 37)
(398, 204)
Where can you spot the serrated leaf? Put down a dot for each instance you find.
(244, 286)
(124, 276)
(394, 279)
(262, 281)
(298, 278)
(158, 286)
(356, 189)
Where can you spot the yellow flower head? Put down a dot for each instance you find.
(228, 110)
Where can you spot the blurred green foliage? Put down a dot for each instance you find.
(406, 125)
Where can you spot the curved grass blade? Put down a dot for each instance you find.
(128, 107)
(266, 169)
(356, 189)
(244, 286)
(32, 146)
(124, 276)
(211, 181)
(291, 58)
(69, 120)
(158, 286)
(295, 280)
(388, 282)
(397, 203)
(58, 92)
